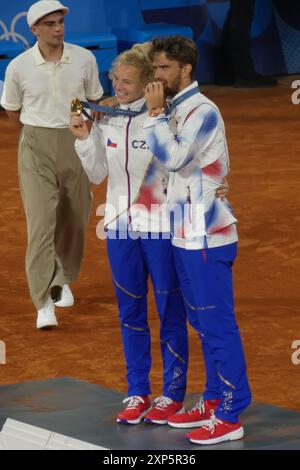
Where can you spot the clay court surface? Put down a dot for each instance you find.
(264, 144)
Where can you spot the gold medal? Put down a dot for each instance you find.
(76, 106)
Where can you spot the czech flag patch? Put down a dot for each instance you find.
(112, 144)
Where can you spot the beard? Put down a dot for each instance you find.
(173, 87)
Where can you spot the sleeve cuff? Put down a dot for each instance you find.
(96, 96)
(11, 107)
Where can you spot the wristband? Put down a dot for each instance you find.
(154, 112)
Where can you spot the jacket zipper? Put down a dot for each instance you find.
(188, 200)
(127, 172)
(164, 184)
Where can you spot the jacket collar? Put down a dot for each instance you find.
(39, 59)
(135, 105)
(188, 88)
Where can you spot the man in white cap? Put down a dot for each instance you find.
(39, 86)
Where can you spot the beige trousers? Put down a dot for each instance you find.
(57, 201)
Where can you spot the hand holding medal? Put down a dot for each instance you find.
(78, 125)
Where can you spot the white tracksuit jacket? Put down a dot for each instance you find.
(191, 143)
(137, 181)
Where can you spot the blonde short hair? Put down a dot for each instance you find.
(138, 56)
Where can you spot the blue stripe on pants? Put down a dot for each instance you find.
(206, 283)
(131, 262)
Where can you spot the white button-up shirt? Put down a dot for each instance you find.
(43, 91)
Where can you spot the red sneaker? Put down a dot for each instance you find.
(135, 410)
(199, 415)
(217, 431)
(164, 408)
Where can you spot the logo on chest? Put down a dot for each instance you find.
(139, 144)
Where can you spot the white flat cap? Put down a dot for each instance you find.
(42, 8)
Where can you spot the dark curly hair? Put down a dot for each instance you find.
(178, 48)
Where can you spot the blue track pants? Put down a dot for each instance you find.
(131, 262)
(205, 277)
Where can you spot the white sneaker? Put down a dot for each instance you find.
(67, 299)
(46, 318)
